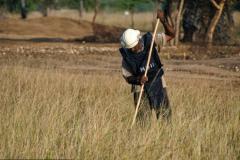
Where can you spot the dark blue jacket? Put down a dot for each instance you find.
(136, 62)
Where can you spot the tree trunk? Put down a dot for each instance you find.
(2, 12)
(156, 4)
(229, 16)
(219, 8)
(45, 8)
(132, 18)
(23, 9)
(96, 9)
(81, 8)
(178, 20)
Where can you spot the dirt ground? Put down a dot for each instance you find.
(43, 27)
(64, 46)
(56, 29)
(105, 59)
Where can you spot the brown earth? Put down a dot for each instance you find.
(44, 27)
(56, 29)
(221, 62)
(105, 59)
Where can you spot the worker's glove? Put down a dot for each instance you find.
(143, 80)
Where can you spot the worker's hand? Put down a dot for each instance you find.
(160, 15)
(143, 79)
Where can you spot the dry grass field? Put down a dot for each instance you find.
(64, 101)
(69, 100)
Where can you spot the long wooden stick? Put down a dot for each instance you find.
(145, 74)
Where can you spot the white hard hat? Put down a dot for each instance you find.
(130, 38)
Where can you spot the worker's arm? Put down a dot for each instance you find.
(130, 78)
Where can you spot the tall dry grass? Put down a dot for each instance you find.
(55, 114)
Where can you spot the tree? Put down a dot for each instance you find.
(197, 17)
(178, 20)
(2, 8)
(23, 9)
(237, 5)
(96, 9)
(219, 9)
(155, 3)
(130, 5)
(81, 8)
(46, 5)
